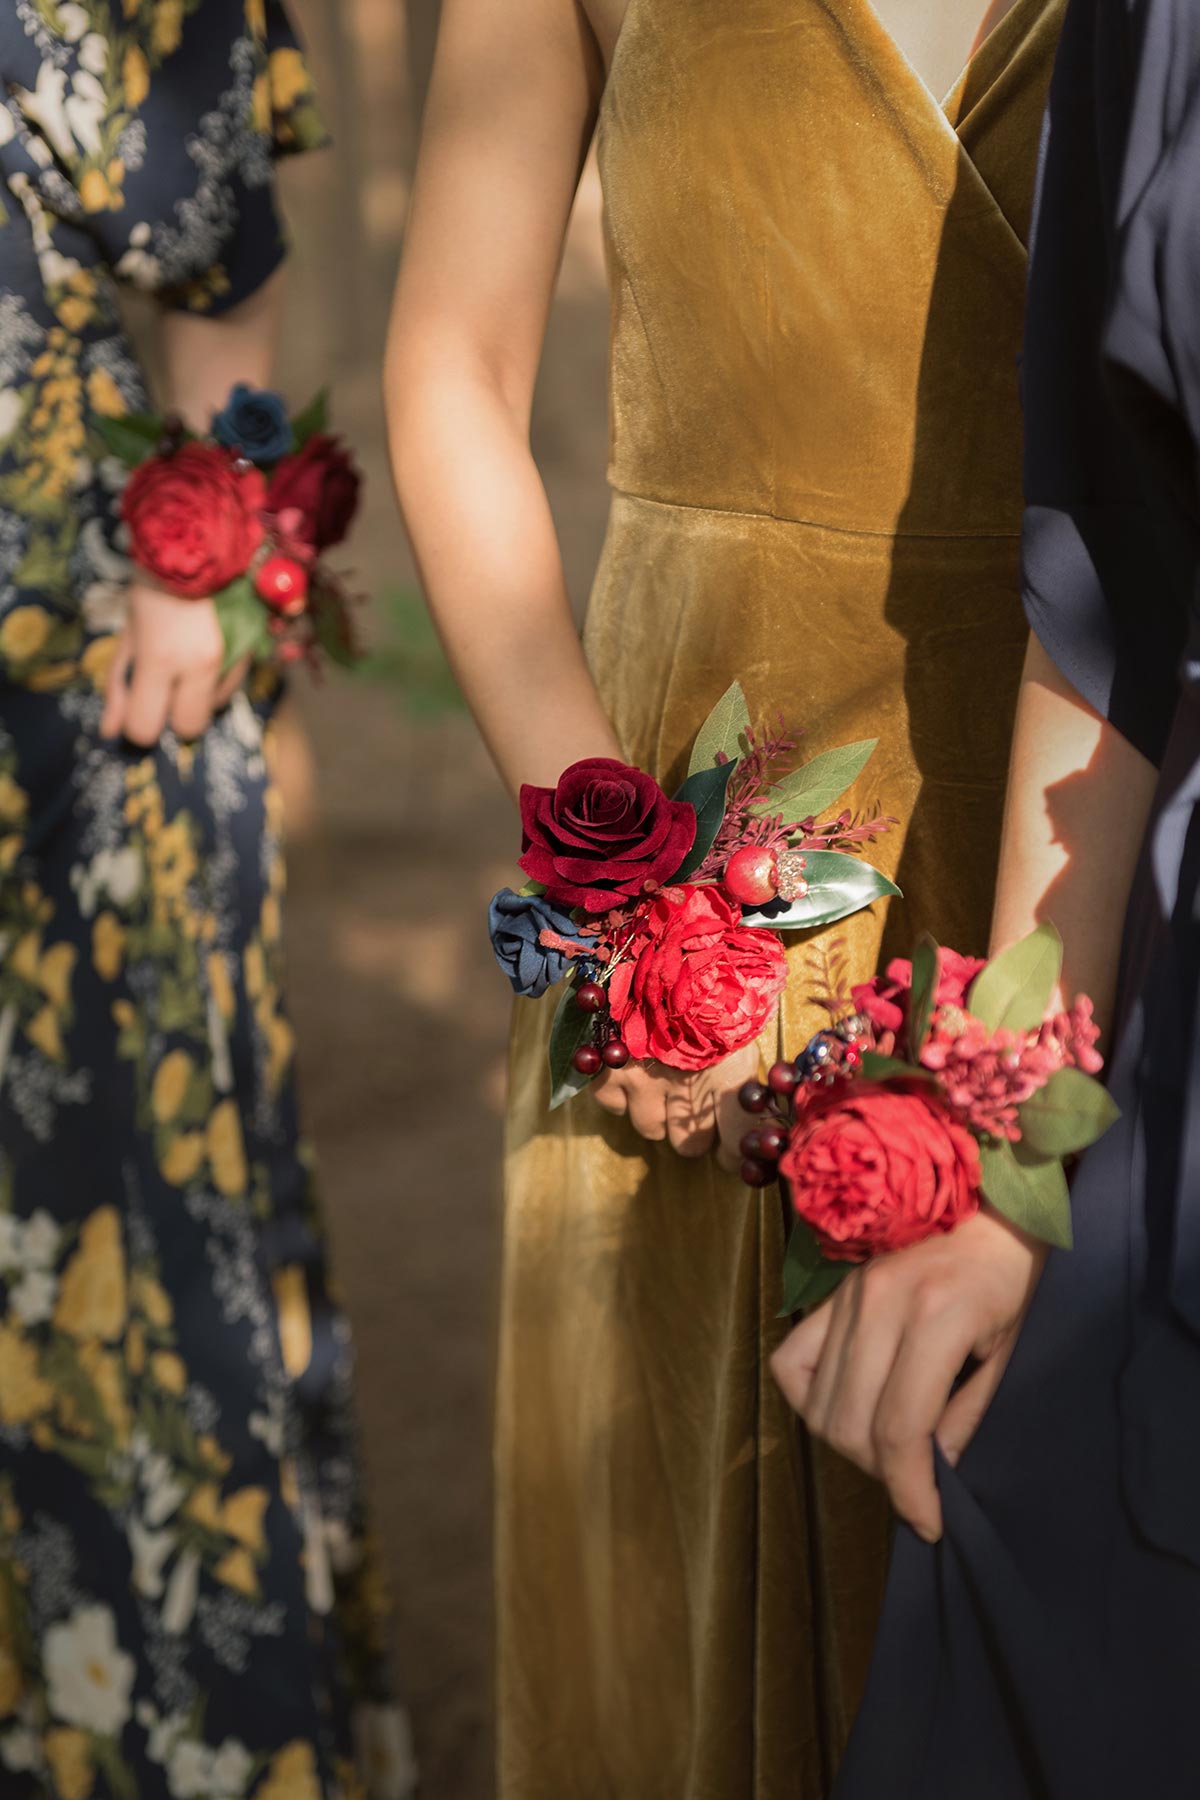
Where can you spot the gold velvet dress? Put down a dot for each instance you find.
(817, 277)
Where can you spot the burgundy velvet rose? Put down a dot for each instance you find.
(874, 1166)
(694, 984)
(606, 830)
(322, 485)
(194, 518)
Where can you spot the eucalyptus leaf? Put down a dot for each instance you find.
(572, 1027)
(722, 731)
(892, 1068)
(243, 621)
(314, 418)
(808, 791)
(923, 997)
(705, 793)
(1014, 990)
(808, 1276)
(1068, 1114)
(1031, 1191)
(131, 439)
(838, 885)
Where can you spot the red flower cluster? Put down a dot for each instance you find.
(605, 834)
(316, 492)
(194, 518)
(986, 1075)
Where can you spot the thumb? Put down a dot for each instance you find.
(965, 1412)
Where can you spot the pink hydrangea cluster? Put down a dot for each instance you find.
(986, 1075)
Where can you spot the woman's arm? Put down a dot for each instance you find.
(872, 1372)
(167, 669)
(510, 113)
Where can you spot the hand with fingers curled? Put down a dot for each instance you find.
(168, 668)
(690, 1110)
(910, 1352)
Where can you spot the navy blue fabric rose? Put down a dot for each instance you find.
(515, 925)
(255, 422)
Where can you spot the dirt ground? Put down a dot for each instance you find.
(400, 834)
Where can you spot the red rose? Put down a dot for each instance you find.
(606, 830)
(321, 484)
(696, 984)
(874, 1166)
(193, 518)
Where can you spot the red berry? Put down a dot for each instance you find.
(772, 1143)
(757, 1174)
(750, 876)
(751, 1144)
(852, 1057)
(615, 1054)
(753, 1097)
(586, 1060)
(283, 584)
(591, 997)
(782, 1078)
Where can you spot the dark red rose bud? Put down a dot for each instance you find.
(590, 997)
(753, 1097)
(782, 1078)
(615, 1054)
(750, 876)
(757, 1174)
(283, 584)
(586, 1060)
(321, 484)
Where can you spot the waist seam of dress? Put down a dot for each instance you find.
(748, 512)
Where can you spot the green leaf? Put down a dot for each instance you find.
(532, 889)
(133, 438)
(722, 730)
(808, 1276)
(1014, 990)
(923, 997)
(808, 791)
(243, 621)
(314, 418)
(838, 885)
(572, 1027)
(1068, 1114)
(705, 793)
(1031, 1191)
(892, 1068)
(330, 627)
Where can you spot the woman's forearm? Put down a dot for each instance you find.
(1078, 799)
(203, 358)
(485, 544)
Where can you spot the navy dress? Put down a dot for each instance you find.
(1049, 1647)
(189, 1602)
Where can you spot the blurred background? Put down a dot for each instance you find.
(399, 835)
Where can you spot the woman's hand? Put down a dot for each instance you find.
(167, 669)
(872, 1370)
(666, 1103)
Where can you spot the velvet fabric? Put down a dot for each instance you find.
(817, 279)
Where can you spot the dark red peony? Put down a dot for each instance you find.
(322, 485)
(873, 1167)
(694, 984)
(194, 518)
(605, 831)
(884, 1001)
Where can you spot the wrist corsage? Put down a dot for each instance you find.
(950, 1083)
(244, 516)
(664, 913)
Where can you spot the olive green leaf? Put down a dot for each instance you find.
(314, 418)
(808, 1276)
(892, 1068)
(1068, 1114)
(243, 621)
(1031, 1191)
(923, 997)
(722, 731)
(838, 885)
(808, 791)
(131, 439)
(1013, 991)
(572, 1027)
(705, 792)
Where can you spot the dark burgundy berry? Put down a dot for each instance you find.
(772, 1143)
(615, 1053)
(751, 1144)
(586, 1060)
(757, 1174)
(753, 1097)
(781, 1078)
(591, 997)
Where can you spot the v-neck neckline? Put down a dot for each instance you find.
(999, 43)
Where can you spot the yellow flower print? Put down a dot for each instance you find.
(167, 29)
(25, 958)
(23, 1394)
(281, 1044)
(169, 1372)
(11, 1682)
(131, 8)
(135, 1348)
(97, 661)
(226, 1151)
(136, 72)
(97, 197)
(260, 104)
(220, 985)
(150, 1298)
(169, 1088)
(256, 17)
(290, 79)
(43, 1032)
(180, 1161)
(212, 1454)
(92, 1295)
(237, 1571)
(295, 1320)
(104, 396)
(107, 1376)
(271, 921)
(68, 1751)
(108, 946)
(291, 1776)
(204, 1507)
(54, 975)
(242, 1516)
(256, 970)
(23, 632)
(172, 859)
(51, 677)
(14, 802)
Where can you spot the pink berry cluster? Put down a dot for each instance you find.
(986, 1075)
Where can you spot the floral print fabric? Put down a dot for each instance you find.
(189, 1602)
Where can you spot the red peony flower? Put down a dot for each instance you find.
(322, 485)
(605, 831)
(694, 984)
(194, 518)
(874, 1166)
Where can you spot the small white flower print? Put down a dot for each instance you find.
(89, 1677)
(32, 1299)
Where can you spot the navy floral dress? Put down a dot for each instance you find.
(188, 1601)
